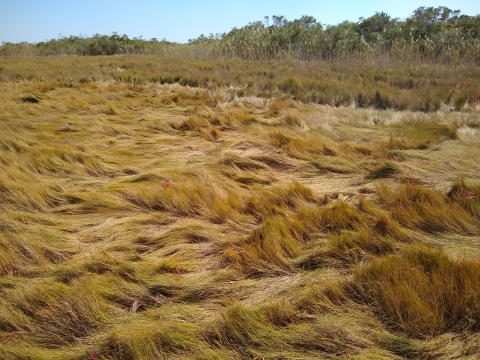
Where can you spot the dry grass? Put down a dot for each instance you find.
(422, 292)
(379, 83)
(414, 206)
(142, 220)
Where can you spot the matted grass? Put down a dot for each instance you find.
(142, 220)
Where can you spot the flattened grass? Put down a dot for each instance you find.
(163, 221)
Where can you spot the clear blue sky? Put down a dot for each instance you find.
(40, 20)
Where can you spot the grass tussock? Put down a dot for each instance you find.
(322, 299)
(140, 339)
(335, 219)
(276, 107)
(192, 196)
(414, 206)
(270, 246)
(56, 315)
(276, 245)
(242, 163)
(201, 126)
(292, 120)
(353, 248)
(417, 132)
(230, 118)
(270, 202)
(300, 146)
(422, 292)
(467, 196)
(272, 330)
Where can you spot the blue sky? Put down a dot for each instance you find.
(40, 20)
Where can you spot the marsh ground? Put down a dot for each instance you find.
(147, 221)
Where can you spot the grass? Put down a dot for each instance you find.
(417, 207)
(422, 292)
(359, 82)
(177, 218)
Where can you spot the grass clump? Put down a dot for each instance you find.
(276, 107)
(270, 202)
(242, 163)
(188, 197)
(352, 248)
(292, 120)
(415, 206)
(146, 339)
(467, 196)
(269, 247)
(277, 244)
(335, 219)
(322, 299)
(418, 132)
(231, 118)
(422, 292)
(300, 146)
(57, 315)
(245, 330)
(201, 126)
(275, 331)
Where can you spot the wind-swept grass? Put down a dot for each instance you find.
(187, 196)
(422, 292)
(54, 314)
(467, 196)
(147, 212)
(414, 206)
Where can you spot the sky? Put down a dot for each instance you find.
(178, 21)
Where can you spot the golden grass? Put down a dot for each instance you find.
(160, 221)
(429, 210)
(422, 292)
(377, 84)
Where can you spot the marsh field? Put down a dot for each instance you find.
(156, 208)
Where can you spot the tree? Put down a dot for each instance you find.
(426, 22)
(468, 25)
(377, 23)
(308, 22)
(279, 21)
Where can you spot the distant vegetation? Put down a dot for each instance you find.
(429, 34)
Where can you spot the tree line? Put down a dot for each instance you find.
(430, 34)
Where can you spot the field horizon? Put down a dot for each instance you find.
(156, 208)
